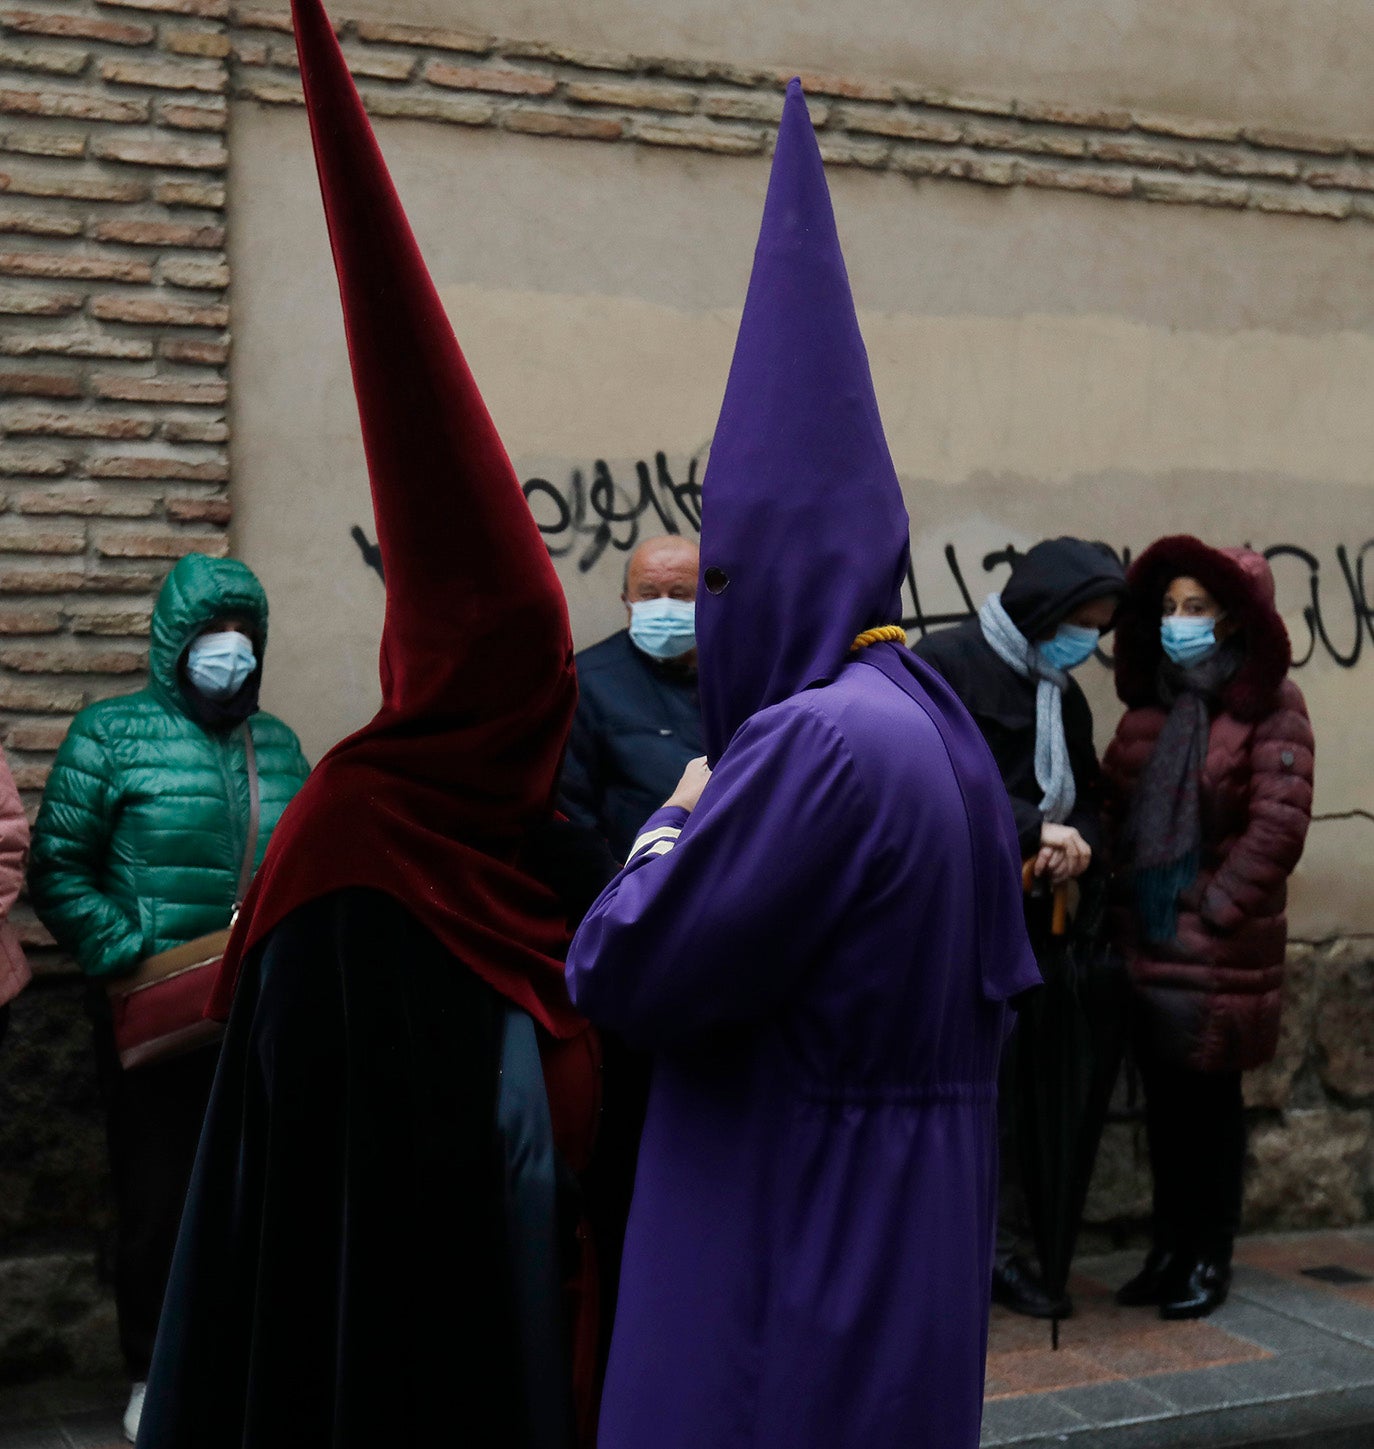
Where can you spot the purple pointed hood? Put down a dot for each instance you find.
(804, 535)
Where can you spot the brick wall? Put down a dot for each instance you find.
(113, 345)
(115, 308)
(455, 78)
(114, 282)
(113, 462)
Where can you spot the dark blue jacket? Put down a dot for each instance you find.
(637, 725)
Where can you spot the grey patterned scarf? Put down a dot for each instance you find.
(1164, 829)
(1053, 772)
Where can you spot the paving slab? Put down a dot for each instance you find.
(1287, 1362)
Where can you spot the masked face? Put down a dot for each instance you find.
(1187, 640)
(1070, 646)
(1193, 622)
(219, 664)
(663, 628)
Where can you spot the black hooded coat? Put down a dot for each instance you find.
(1045, 586)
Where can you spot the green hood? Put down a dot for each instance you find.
(140, 839)
(199, 590)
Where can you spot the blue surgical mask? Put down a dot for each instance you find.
(664, 628)
(1186, 638)
(1070, 646)
(218, 664)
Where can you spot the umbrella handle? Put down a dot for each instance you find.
(1059, 916)
(1059, 910)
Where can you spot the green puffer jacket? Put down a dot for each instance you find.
(140, 839)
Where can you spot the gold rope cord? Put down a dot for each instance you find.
(883, 634)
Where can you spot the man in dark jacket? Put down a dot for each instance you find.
(1011, 668)
(638, 722)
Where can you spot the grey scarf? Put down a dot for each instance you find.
(1053, 772)
(1164, 829)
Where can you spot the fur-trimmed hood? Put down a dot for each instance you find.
(1243, 583)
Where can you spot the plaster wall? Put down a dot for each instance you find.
(1045, 363)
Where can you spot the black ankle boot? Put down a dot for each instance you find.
(1145, 1290)
(1203, 1291)
(1015, 1285)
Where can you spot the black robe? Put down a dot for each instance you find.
(342, 1277)
(1045, 587)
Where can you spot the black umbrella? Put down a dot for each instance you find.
(1065, 1056)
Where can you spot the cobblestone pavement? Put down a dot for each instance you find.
(1288, 1361)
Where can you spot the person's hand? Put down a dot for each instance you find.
(693, 782)
(1063, 854)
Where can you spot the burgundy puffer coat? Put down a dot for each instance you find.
(1211, 1000)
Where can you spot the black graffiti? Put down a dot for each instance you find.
(585, 519)
(1338, 617)
(589, 518)
(916, 617)
(372, 554)
(1340, 636)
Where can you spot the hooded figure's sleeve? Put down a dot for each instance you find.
(716, 924)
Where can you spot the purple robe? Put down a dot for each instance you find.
(810, 1243)
(822, 954)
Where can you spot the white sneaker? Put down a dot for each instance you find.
(134, 1412)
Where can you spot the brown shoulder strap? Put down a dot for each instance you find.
(250, 849)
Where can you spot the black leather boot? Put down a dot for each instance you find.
(1145, 1290)
(1203, 1291)
(1016, 1285)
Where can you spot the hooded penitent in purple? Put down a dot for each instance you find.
(822, 953)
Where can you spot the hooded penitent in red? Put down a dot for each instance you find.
(371, 1236)
(431, 801)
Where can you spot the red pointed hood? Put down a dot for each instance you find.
(431, 801)
(475, 616)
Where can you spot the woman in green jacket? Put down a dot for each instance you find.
(138, 848)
